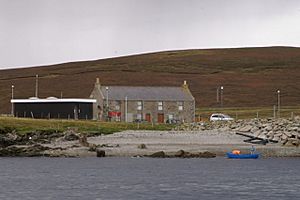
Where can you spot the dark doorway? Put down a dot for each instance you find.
(148, 117)
(160, 118)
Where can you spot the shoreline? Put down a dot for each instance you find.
(128, 144)
(143, 143)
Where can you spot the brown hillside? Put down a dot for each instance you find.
(250, 76)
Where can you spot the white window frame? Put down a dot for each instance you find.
(117, 105)
(160, 106)
(180, 106)
(139, 105)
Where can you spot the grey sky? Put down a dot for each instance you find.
(40, 32)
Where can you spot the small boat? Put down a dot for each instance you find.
(242, 156)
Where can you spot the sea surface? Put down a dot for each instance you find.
(149, 178)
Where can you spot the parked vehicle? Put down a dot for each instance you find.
(220, 117)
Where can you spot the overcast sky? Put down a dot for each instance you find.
(41, 32)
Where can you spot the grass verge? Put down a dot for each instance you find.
(24, 125)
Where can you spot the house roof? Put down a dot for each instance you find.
(147, 93)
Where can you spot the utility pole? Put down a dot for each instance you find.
(36, 85)
(222, 96)
(278, 103)
(218, 99)
(126, 100)
(107, 108)
(12, 97)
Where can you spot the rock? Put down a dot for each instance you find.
(28, 151)
(268, 128)
(70, 136)
(93, 147)
(246, 128)
(83, 140)
(275, 138)
(288, 134)
(292, 142)
(109, 145)
(283, 137)
(100, 153)
(278, 135)
(257, 133)
(159, 154)
(185, 154)
(142, 146)
(207, 154)
(179, 153)
(4, 141)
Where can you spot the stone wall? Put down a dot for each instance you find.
(151, 107)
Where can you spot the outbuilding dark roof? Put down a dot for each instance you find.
(147, 93)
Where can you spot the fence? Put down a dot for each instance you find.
(249, 113)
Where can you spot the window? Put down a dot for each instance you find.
(160, 105)
(117, 105)
(180, 105)
(139, 105)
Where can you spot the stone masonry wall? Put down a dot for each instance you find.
(151, 107)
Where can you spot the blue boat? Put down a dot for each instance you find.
(242, 156)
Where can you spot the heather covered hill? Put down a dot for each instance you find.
(250, 76)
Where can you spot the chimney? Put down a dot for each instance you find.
(97, 84)
(185, 85)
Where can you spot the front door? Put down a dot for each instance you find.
(148, 117)
(160, 118)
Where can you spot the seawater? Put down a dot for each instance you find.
(146, 178)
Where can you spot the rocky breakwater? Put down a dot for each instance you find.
(284, 131)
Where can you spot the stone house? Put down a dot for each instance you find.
(152, 104)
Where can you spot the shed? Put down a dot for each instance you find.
(67, 108)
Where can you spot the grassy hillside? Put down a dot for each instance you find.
(250, 76)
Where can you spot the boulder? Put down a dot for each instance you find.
(83, 140)
(268, 128)
(5, 141)
(207, 154)
(70, 136)
(28, 151)
(159, 154)
(100, 153)
(179, 153)
(142, 146)
(283, 137)
(93, 147)
(246, 128)
(293, 142)
(185, 154)
(275, 138)
(288, 134)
